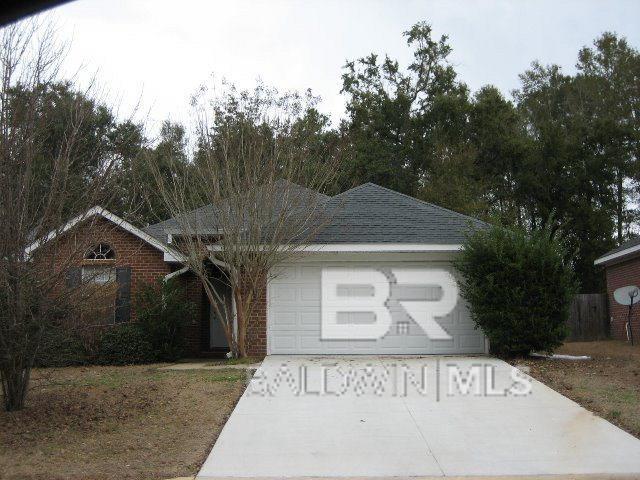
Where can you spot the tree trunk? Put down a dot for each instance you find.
(619, 206)
(15, 382)
(241, 319)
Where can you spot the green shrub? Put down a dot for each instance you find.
(124, 344)
(64, 341)
(162, 313)
(519, 289)
(60, 348)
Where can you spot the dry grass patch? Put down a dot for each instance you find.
(236, 361)
(133, 422)
(608, 385)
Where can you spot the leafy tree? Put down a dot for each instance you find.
(141, 204)
(318, 142)
(100, 136)
(56, 106)
(455, 182)
(497, 131)
(562, 156)
(389, 125)
(519, 288)
(564, 183)
(610, 72)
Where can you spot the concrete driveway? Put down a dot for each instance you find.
(422, 417)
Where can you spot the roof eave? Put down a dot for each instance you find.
(116, 220)
(625, 254)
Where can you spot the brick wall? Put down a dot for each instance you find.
(146, 262)
(257, 326)
(196, 328)
(620, 275)
(147, 265)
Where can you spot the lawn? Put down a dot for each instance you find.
(236, 361)
(608, 385)
(133, 422)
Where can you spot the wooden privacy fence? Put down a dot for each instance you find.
(588, 318)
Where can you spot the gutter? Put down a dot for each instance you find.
(613, 256)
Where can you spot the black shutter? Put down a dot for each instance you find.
(73, 277)
(123, 296)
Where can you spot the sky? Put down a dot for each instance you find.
(150, 56)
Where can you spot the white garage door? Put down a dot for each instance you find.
(294, 314)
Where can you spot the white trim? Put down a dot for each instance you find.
(203, 231)
(381, 247)
(269, 316)
(171, 257)
(613, 256)
(175, 274)
(369, 247)
(115, 220)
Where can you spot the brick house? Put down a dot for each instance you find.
(622, 268)
(376, 233)
(114, 251)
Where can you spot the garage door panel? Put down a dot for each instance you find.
(471, 341)
(280, 294)
(310, 293)
(309, 319)
(311, 273)
(318, 346)
(283, 342)
(284, 320)
(294, 315)
(303, 320)
(285, 273)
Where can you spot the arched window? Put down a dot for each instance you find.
(96, 268)
(102, 251)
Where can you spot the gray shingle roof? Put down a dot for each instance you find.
(370, 214)
(204, 218)
(628, 244)
(374, 214)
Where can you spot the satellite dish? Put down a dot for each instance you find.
(627, 295)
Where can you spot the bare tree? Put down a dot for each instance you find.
(251, 199)
(35, 201)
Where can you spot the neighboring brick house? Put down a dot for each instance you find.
(622, 268)
(397, 243)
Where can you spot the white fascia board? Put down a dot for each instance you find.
(140, 234)
(120, 222)
(613, 256)
(173, 257)
(175, 274)
(369, 247)
(381, 247)
(205, 231)
(67, 226)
